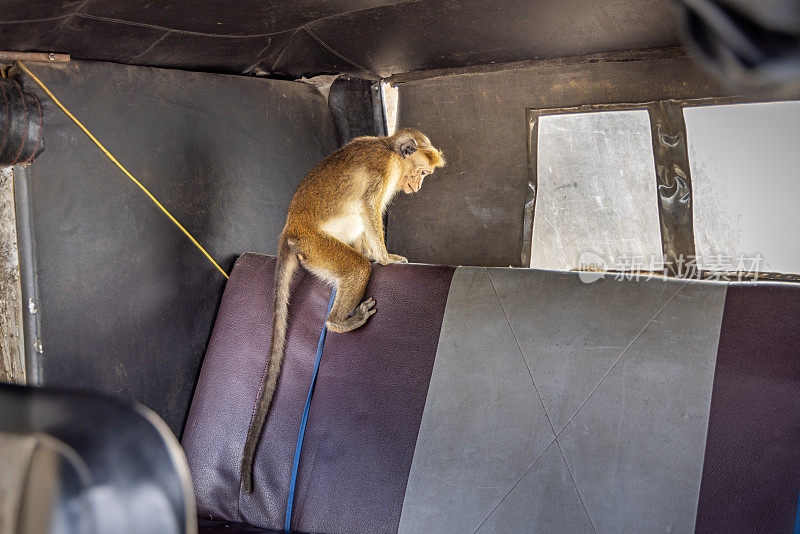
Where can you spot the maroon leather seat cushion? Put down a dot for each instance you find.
(365, 414)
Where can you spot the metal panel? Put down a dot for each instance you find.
(596, 190)
(747, 185)
(29, 278)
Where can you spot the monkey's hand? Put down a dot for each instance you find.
(394, 258)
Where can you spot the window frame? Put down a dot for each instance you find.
(676, 218)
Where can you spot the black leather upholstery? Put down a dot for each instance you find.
(207, 526)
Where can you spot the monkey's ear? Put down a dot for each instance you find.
(408, 147)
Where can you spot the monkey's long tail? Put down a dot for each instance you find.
(286, 266)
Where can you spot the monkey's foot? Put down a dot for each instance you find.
(394, 258)
(363, 311)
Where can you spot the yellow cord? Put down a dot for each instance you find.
(118, 164)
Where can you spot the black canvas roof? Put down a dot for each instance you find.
(365, 38)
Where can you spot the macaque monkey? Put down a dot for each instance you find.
(333, 229)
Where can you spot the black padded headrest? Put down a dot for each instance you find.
(75, 462)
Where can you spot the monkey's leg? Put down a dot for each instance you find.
(333, 260)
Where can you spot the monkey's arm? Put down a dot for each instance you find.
(363, 247)
(373, 238)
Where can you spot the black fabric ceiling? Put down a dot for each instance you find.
(365, 38)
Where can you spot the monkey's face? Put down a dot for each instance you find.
(413, 181)
(422, 162)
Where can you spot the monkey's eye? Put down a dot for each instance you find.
(424, 173)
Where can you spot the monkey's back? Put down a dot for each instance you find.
(347, 175)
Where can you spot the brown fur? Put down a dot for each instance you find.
(347, 191)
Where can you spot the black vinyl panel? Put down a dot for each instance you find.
(221, 54)
(472, 211)
(750, 42)
(244, 17)
(21, 10)
(83, 38)
(363, 38)
(434, 34)
(126, 302)
(325, 60)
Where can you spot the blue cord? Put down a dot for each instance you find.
(797, 518)
(304, 419)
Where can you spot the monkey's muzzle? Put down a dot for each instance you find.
(414, 183)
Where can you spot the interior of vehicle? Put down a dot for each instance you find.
(597, 328)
